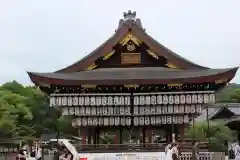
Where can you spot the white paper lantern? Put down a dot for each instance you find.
(199, 108)
(170, 99)
(159, 99)
(165, 99)
(136, 101)
(121, 100)
(128, 121)
(101, 110)
(187, 109)
(100, 121)
(111, 121)
(165, 109)
(193, 109)
(212, 98)
(176, 99)
(104, 111)
(90, 121)
(106, 121)
(181, 109)
(141, 121)
(135, 110)
(200, 98)
(158, 120)
(186, 119)
(93, 111)
(164, 119)
(122, 110)
(148, 100)
(127, 111)
(52, 101)
(146, 121)
(123, 121)
(116, 110)
(110, 110)
(206, 98)
(170, 109)
(104, 101)
(142, 100)
(141, 110)
(75, 101)
(153, 100)
(176, 109)
(182, 99)
(153, 120)
(158, 110)
(169, 120)
(59, 101)
(92, 101)
(81, 101)
(153, 110)
(194, 98)
(117, 121)
(98, 101)
(88, 111)
(86, 101)
(127, 100)
(95, 121)
(136, 121)
(147, 110)
(115, 101)
(188, 99)
(64, 101)
(174, 121)
(110, 101)
(77, 111)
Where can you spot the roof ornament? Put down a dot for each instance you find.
(132, 17)
(129, 15)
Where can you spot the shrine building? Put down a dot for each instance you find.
(133, 87)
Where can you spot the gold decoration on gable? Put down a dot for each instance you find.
(129, 37)
(92, 66)
(170, 65)
(89, 86)
(152, 54)
(131, 47)
(131, 85)
(221, 81)
(108, 55)
(175, 85)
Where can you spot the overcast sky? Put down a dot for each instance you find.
(47, 35)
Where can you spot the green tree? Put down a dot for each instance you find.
(217, 133)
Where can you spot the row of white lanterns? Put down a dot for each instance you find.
(137, 110)
(118, 100)
(127, 121)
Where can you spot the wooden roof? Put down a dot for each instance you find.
(187, 72)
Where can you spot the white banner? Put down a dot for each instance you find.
(123, 156)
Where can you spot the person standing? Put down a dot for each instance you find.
(195, 154)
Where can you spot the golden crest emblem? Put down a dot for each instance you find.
(131, 47)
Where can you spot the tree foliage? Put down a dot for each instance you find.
(217, 133)
(25, 113)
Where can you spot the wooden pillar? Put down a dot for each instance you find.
(83, 135)
(181, 130)
(121, 136)
(116, 138)
(143, 135)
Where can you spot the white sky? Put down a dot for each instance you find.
(47, 35)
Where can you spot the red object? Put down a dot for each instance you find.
(83, 158)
